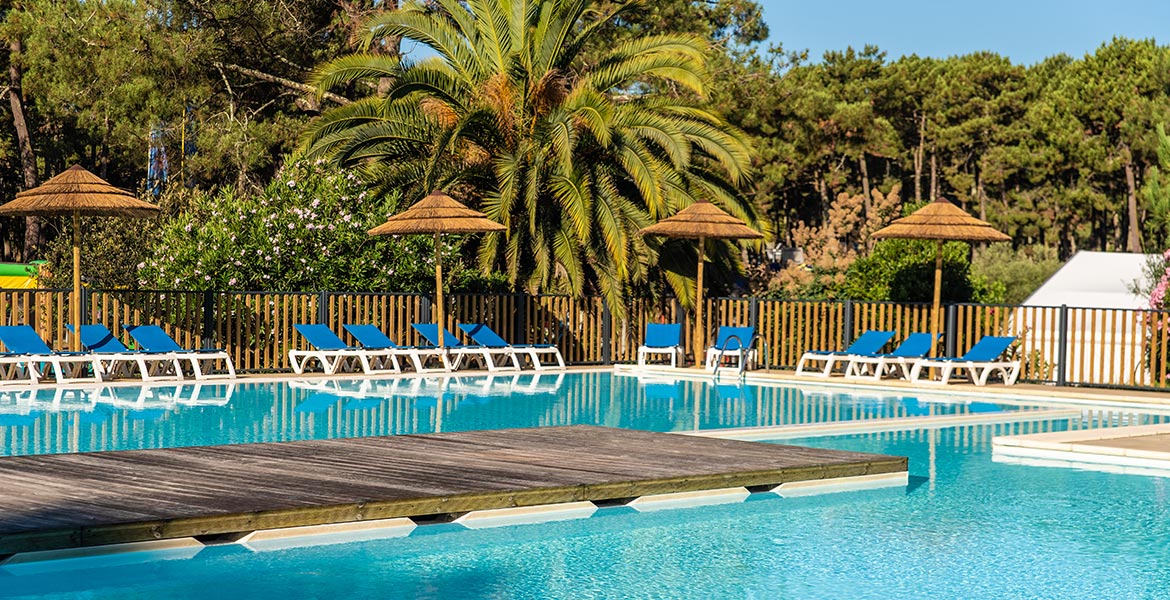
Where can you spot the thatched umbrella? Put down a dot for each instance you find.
(79, 193)
(940, 221)
(437, 214)
(702, 221)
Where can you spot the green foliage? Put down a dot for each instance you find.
(1156, 194)
(573, 157)
(1020, 271)
(903, 271)
(306, 231)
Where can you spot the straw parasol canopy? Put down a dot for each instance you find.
(702, 221)
(940, 221)
(437, 214)
(77, 192)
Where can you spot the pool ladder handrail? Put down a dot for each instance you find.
(742, 359)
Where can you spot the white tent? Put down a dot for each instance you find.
(1105, 337)
(1094, 280)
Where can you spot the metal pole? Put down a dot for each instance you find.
(1062, 348)
(950, 332)
(606, 333)
(847, 337)
(208, 318)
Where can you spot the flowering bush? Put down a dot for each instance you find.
(306, 231)
(1159, 272)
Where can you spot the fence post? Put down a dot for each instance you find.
(521, 308)
(1062, 348)
(847, 326)
(950, 327)
(322, 307)
(754, 313)
(606, 333)
(208, 318)
(425, 308)
(85, 293)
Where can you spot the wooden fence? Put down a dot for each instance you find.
(1062, 345)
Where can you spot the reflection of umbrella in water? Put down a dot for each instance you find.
(437, 214)
(940, 221)
(77, 192)
(702, 221)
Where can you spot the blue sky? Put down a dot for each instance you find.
(1026, 31)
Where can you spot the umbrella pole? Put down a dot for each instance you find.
(76, 312)
(934, 329)
(699, 337)
(439, 289)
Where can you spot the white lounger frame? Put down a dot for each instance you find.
(740, 355)
(371, 362)
(675, 353)
(534, 353)
(829, 358)
(978, 371)
(882, 366)
(486, 353)
(199, 358)
(115, 364)
(34, 362)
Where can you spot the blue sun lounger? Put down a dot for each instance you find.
(485, 336)
(27, 348)
(662, 338)
(980, 362)
(868, 343)
(335, 355)
(153, 338)
(116, 359)
(733, 342)
(369, 336)
(915, 347)
(452, 345)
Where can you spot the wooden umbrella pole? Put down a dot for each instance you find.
(76, 312)
(439, 289)
(934, 329)
(699, 337)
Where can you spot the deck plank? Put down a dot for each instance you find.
(66, 500)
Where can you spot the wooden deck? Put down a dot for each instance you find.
(73, 500)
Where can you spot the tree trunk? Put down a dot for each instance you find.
(822, 187)
(919, 155)
(1134, 240)
(981, 195)
(868, 204)
(28, 160)
(933, 176)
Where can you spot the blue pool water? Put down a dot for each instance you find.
(966, 527)
(157, 416)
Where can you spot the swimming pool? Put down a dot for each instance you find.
(966, 527)
(126, 417)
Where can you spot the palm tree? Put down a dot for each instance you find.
(573, 158)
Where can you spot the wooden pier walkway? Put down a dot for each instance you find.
(73, 500)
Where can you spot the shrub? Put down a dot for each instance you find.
(1020, 271)
(305, 231)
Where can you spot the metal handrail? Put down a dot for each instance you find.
(742, 359)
